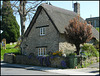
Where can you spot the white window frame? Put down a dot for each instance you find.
(41, 51)
(42, 31)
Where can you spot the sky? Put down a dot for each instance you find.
(87, 9)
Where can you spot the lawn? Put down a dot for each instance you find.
(9, 49)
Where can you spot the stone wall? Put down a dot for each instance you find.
(89, 60)
(65, 46)
(9, 58)
(54, 61)
(21, 59)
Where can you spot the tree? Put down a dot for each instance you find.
(78, 32)
(24, 10)
(0, 23)
(9, 24)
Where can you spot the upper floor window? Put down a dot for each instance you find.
(42, 31)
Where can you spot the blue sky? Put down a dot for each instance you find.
(87, 8)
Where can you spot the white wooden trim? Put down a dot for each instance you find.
(42, 53)
(42, 31)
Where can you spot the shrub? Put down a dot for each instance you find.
(96, 44)
(90, 50)
(72, 54)
(45, 59)
(18, 44)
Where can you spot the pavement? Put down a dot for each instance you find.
(82, 71)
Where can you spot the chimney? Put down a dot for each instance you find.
(77, 8)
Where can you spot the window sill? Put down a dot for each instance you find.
(42, 55)
(42, 35)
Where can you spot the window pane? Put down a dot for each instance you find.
(38, 51)
(40, 31)
(43, 30)
(42, 51)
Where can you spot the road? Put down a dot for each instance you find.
(18, 69)
(8, 70)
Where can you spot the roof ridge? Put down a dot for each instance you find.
(52, 6)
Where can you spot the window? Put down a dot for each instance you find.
(41, 51)
(42, 31)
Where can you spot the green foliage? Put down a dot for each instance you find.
(18, 44)
(97, 59)
(96, 44)
(9, 24)
(97, 28)
(79, 66)
(90, 50)
(72, 54)
(91, 62)
(10, 49)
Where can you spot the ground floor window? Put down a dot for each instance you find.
(41, 51)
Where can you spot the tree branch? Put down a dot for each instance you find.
(28, 10)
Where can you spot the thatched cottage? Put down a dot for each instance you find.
(46, 31)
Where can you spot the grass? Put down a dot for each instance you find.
(9, 49)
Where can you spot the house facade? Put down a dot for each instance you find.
(46, 31)
(94, 21)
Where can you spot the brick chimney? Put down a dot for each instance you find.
(77, 8)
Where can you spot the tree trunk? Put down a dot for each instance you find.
(22, 17)
(77, 48)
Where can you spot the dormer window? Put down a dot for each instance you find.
(42, 31)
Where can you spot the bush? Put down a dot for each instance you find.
(72, 54)
(96, 44)
(90, 50)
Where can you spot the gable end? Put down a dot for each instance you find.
(34, 20)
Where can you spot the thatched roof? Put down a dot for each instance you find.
(95, 33)
(59, 17)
